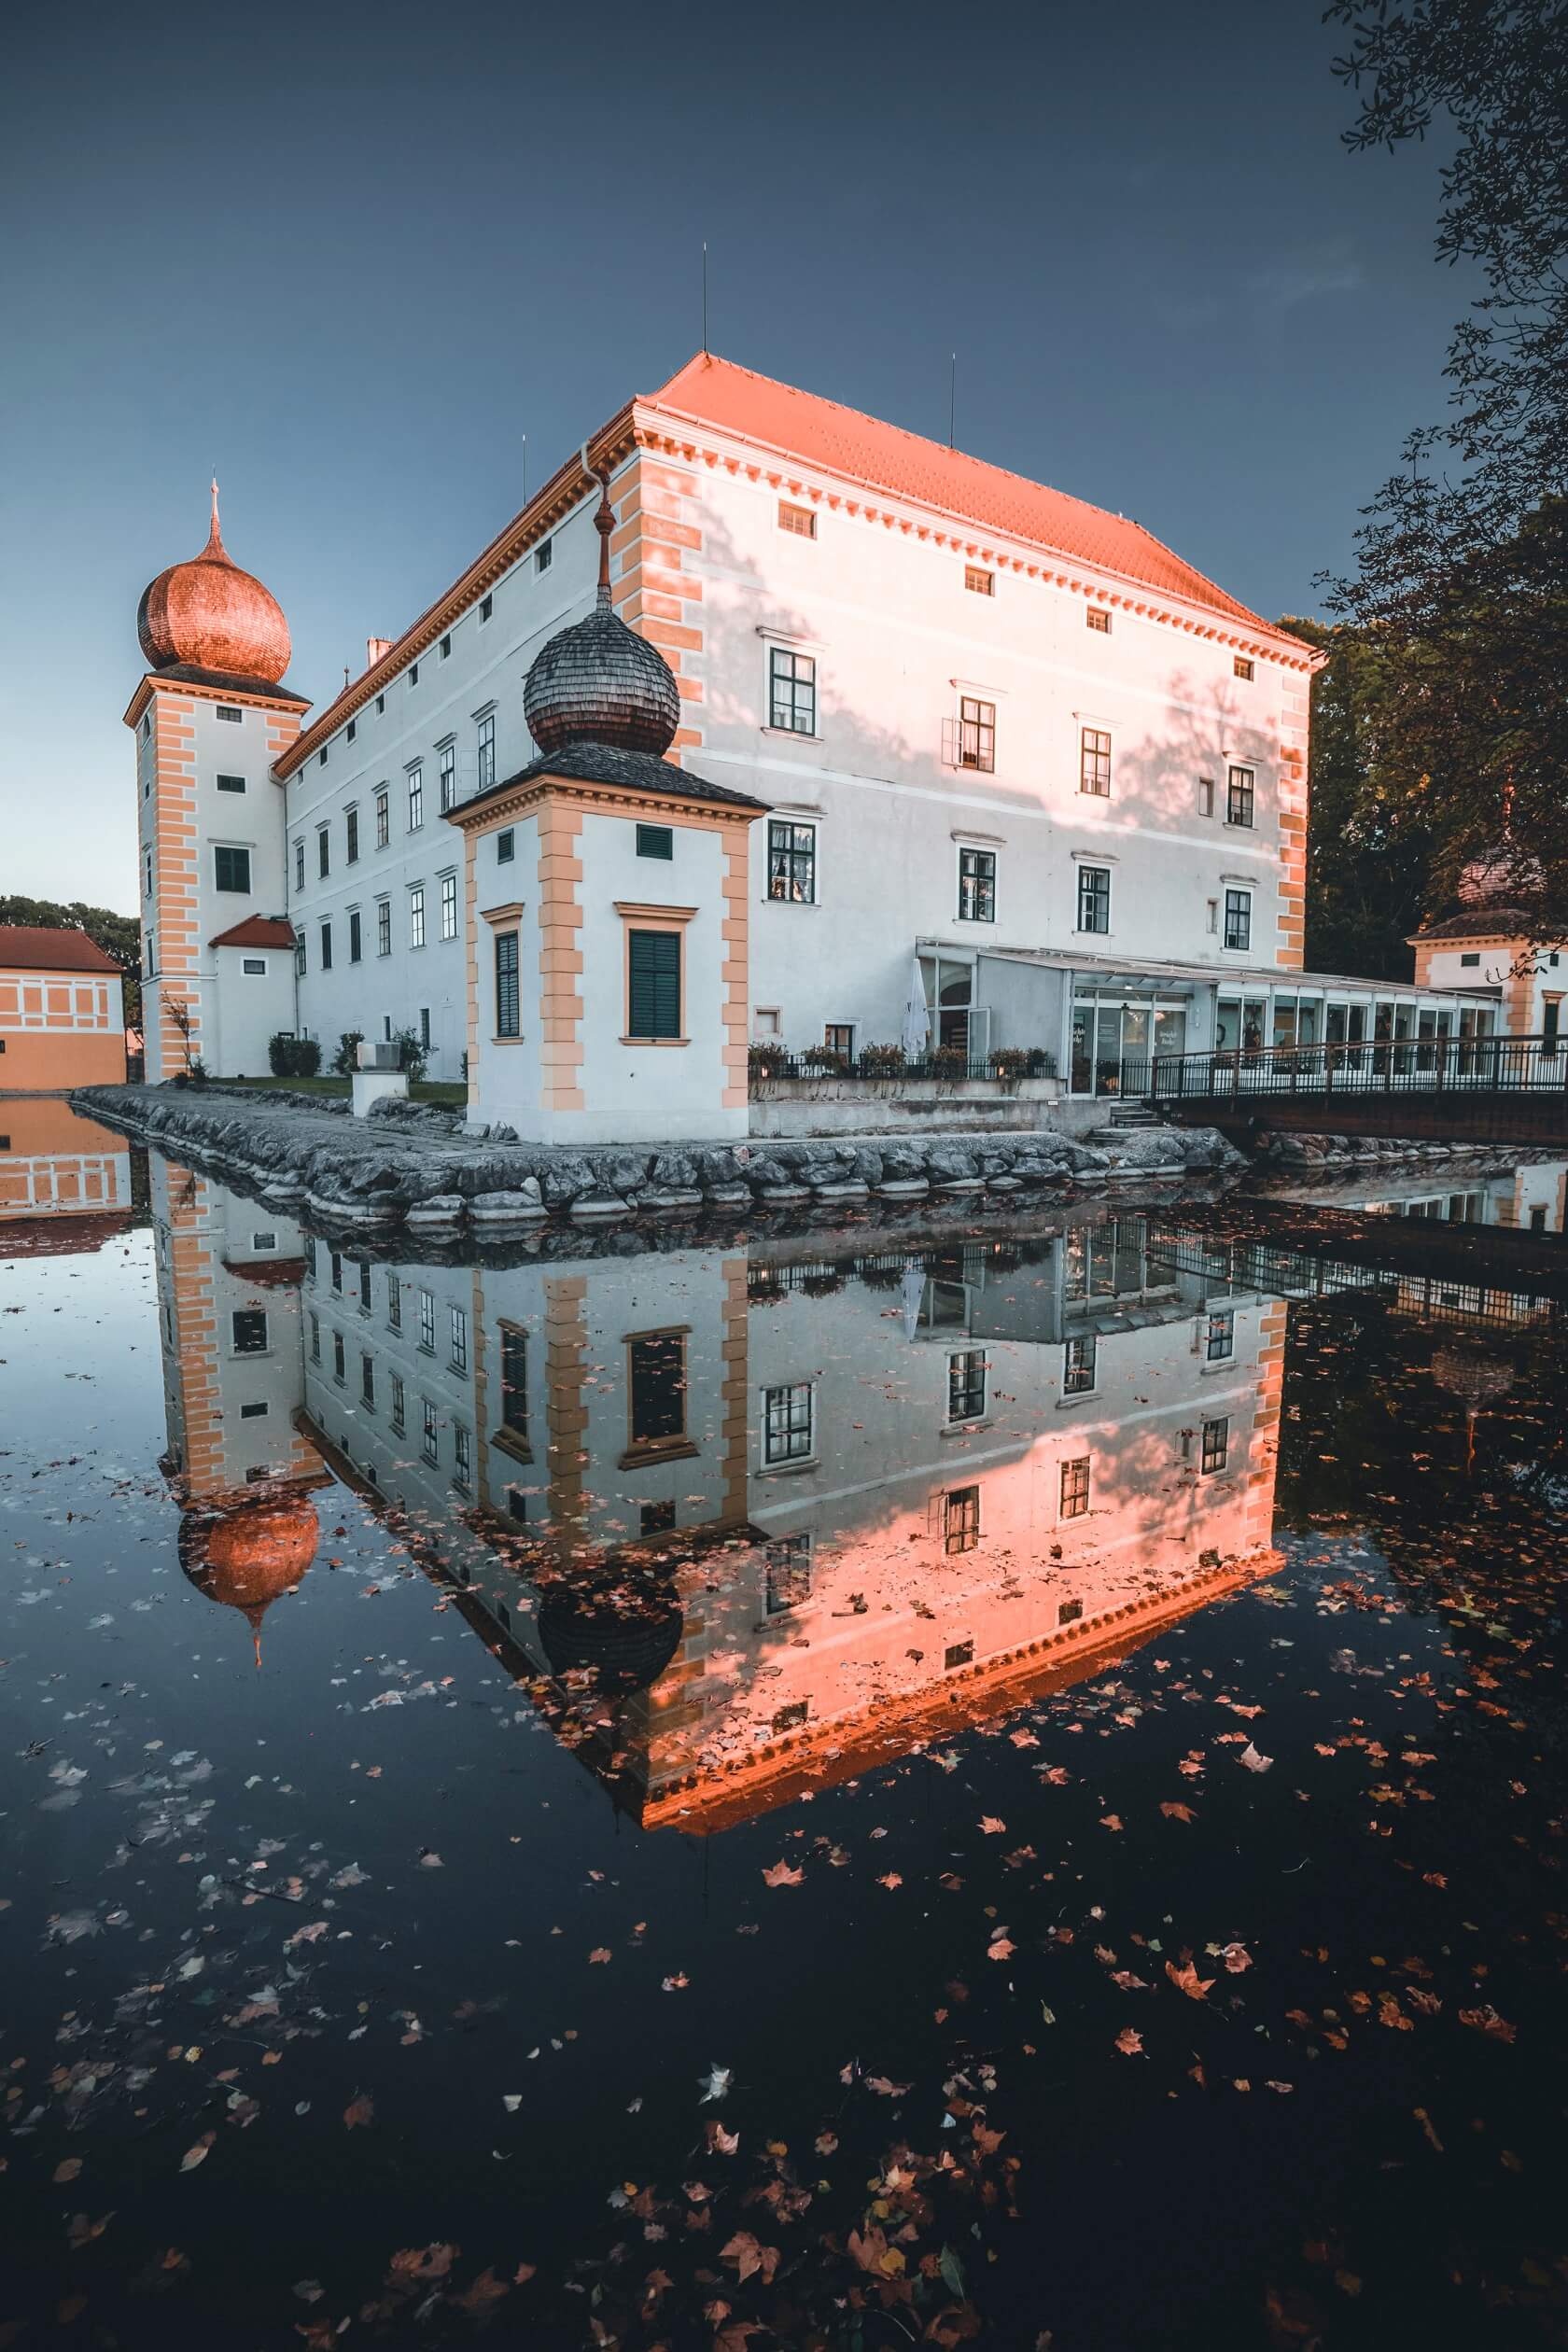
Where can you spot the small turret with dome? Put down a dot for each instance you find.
(598, 682)
(209, 615)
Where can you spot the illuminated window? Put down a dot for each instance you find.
(1075, 1488)
(788, 1423)
(979, 582)
(792, 862)
(1240, 795)
(1094, 898)
(791, 690)
(976, 735)
(977, 886)
(966, 1384)
(1242, 667)
(1078, 1366)
(801, 520)
(1093, 761)
(1216, 1445)
(1098, 620)
(960, 1519)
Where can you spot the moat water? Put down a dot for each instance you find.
(997, 1780)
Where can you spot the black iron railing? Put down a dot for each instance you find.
(950, 1063)
(1404, 1065)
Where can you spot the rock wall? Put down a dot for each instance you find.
(421, 1170)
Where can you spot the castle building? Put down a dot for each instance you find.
(61, 1012)
(930, 741)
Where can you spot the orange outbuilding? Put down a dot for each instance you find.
(61, 1012)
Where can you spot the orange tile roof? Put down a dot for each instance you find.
(861, 449)
(256, 931)
(29, 947)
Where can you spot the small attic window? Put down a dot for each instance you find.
(351, 730)
(980, 581)
(324, 755)
(446, 649)
(487, 606)
(1242, 667)
(231, 712)
(1097, 619)
(544, 556)
(801, 520)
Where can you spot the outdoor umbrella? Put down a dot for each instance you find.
(914, 1037)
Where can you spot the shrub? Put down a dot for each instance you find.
(825, 1059)
(345, 1061)
(765, 1058)
(290, 1056)
(412, 1054)
(950, 1061)
(1012, 1061)
(882, 1061)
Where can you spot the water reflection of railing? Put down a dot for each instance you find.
(1406, 1065)
(1281, 1272)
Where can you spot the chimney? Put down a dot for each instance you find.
(375, 650)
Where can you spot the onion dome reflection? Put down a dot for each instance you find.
(247, 1558)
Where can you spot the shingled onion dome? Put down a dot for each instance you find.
(598, 682)
(247, 1558)
(214, 616)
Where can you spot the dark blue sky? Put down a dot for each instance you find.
(349, 256)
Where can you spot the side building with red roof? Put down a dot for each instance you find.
(61, 1012)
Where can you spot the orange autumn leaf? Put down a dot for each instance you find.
(782, 1875)
(360, 2110)
(1186, 1975)
(1130, 2043)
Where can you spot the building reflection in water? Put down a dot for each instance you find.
(65, 1182)
(740, 1522)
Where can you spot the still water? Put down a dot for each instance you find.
(996, 1782)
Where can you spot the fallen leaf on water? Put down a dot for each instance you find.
(1130, 2043)
(782, 1875)
(1175, 1812)
(360, 2110)
(1252, 1760)
(1186, 1975)
(197, 2155)
(601, 1952)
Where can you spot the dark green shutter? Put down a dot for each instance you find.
(655, 984)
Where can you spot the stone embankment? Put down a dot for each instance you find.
(1347, 1154)
(418, 1167)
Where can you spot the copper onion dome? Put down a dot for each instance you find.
(598, 682)
(213, 615)
(249, 1557)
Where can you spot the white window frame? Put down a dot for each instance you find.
(417, 916)
(787, 1390)
(447, 883)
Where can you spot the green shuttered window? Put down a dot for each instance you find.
(507, 1005)
(655, 1009)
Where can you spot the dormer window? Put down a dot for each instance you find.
(800, 520)
(1098, 620)
(1242, 667)
(978, 580)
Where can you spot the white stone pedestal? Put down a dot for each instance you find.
(375, 1086)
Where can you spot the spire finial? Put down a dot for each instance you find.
(215, 537)
(604, 523)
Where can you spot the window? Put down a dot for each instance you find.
(322, 755)
(484, 745)
(1537, 1220)
(323, 852)
(839, 1038)
(789, 1573)
(395, 1413)
(315, 1337)
(336, 1270)
(1093, 761)
(355, 936)
(228, 712)
(508, 1000)
(427, 1321)
(1241, 665)
(351, 837)
(486, 606)
(325, 947)
(249, 1331)
(366, 1380)
(300, 954)
(966, 1384)
(788, 1423)
(792, 861)
(298, 866)
(1069, 1612)
(1212, 910)
(394, 1302)
(801, 520)
(1239, 918)
(654, 983)
(1206, 796)
(1078, 1366)
(656, 1519)
(446, 649)
(459, 1322)
(152, 955)
(462, 1456)
(146, 875)
(960, 1519)
(544, 556)
(365, 1284)
(381, 705)
(958, 1654)
(432, 1431)
(1473, 960)
(449, 906)
(768, 1021)
(254, 967)
(1094, 898)
(1216, 1445)
(506, 847)
(514, 1381)
(446, 775)
(656, 1388)
(977, 886)
(384, 926)
(979, 582)
(425, 1027)
(976, 735)
(351, 730)
(1219, 1338)
(1551, 1022)
(382, 818)
(1240, 792)
(791, 690)
(232, 870)
(1098, 620)
(417, 916)
(231, 783)
(416, 799)
(414, 673)
(655, 841)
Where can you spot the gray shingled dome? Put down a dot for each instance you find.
(599, 682)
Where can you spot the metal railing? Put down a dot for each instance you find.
(949, 1063)
(1404, 1065)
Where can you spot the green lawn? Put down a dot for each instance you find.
(422, 1090)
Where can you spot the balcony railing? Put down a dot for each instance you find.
(1402, 1065)
(886, 1065)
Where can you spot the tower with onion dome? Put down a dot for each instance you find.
(211, 714)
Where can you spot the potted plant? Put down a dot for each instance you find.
(765, 1057)
(882, 1061)
(826, 1060)
(950, 1061)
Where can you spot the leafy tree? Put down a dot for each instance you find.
(118, 936)
(1461, 557)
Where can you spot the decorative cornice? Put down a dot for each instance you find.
(508, 807)
(153, 683)
(545, 510)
